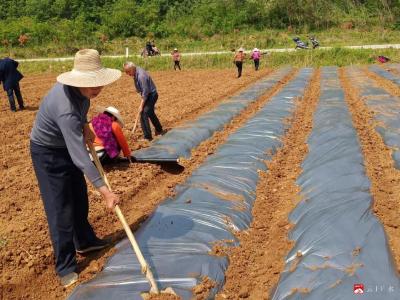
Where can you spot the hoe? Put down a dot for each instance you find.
(144, 265)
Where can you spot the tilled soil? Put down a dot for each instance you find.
(26, 258)
(385, 179)
(255, 265)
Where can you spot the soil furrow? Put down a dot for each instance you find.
(141, 186)
(256, 263)
(379, 165)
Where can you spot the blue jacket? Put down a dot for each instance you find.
(143, 83)
(9, 74)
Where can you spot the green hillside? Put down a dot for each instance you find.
(51, 27)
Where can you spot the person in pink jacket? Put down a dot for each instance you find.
(255, 56)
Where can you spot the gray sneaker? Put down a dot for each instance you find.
(69, 279)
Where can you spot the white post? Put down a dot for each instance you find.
(126, 52)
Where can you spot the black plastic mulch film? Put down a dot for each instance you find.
(385, 74)
(387, 108)
(180, 141)
(340, 246)
(213, 203)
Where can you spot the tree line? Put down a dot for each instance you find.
(67, 22)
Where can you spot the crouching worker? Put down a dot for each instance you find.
(60, 158)
(110, 139)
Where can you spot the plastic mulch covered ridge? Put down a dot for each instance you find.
(385, 74)
(214, 202)
(180, 141)
(394, 68)
(386, 108)
(340, 246)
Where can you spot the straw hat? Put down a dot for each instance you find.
(175, 49)
(241, 49)
(256, 50)
(88, 71)
(115, 112)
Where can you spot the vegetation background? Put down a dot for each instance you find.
(45, 28)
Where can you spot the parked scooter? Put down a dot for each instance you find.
(300, 44)
(153, 52)
(314, 42)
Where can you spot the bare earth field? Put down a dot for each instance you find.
(26, 258)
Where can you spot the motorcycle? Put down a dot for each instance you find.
(147, 52)
(300, 44)
(314, 42)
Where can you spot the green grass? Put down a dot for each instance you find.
(300, 58)
(269, 38)
(333, 57)
(335, 37)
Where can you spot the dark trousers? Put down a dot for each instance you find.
(105, 159)
(177, 65)
(256, 64)
(239, 65)
(64, 194)
(148, 113)
(10, 93)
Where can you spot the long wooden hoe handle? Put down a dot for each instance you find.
(145, 267)
(136, 122)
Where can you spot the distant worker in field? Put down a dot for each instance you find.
(149, 48)
(60, 158)
(11, 77)
(176, 58)
(109, 138)
(147, 89)
(255, 56)
(238, 61)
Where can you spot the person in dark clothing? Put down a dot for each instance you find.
(149, 48)
(146, 88)
(60, 159)
(10, 77)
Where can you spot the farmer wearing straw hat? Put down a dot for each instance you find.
(60, 159)
(110, 140)
(255, 56)
(147, 89)
(176, 57)
(238, 61)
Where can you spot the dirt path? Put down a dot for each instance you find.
(26, 257)
(383, 46)
(385, 179)
(255, 265)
